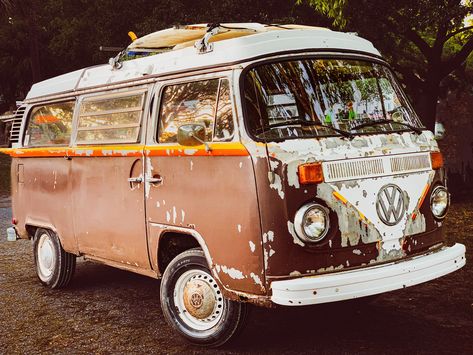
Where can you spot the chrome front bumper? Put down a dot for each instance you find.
(369, 280)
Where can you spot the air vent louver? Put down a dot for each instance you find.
(16, 125)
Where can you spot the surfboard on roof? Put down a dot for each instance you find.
(185, 36)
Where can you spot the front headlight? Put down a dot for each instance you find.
(439, 201)
(312, 222)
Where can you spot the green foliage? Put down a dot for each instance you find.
(426, 41)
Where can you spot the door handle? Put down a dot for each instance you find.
(155, 180)
(137, 180)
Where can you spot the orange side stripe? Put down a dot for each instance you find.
(35, 152)
(217, 149)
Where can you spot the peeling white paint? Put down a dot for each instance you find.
(239, 228)
(277, 185)
(183, 216)
(256, 279)
(265, 259)
(295, 273)
(148, 175)
(174, 215)
(271, 252)
(168, 216)
(55, 179)
(292, 232)
(190, 151)
(241, 164)
(233, 273)
(192, 164)
(274, 164)
(252, 246)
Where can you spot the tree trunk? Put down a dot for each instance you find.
(35, 62)
(426, 105)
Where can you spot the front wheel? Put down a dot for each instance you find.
(193, 304)
(54, 266)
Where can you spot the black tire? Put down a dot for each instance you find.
(54, 266)
(226, 318)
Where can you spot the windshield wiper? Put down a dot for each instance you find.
(307, 124)
(375, 123)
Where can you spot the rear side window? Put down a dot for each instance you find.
(50, 125)
(204, 102)
(115, 119)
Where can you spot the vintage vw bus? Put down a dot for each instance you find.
(276, 165)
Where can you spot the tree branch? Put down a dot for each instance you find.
(411, 35)
(454, 33)
(409, 77)
(455, 62)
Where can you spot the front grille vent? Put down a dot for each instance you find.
(16, 125)
(410, 163)
(353, 169)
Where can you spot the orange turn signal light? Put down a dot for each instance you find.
(311, 173)
(437, 160)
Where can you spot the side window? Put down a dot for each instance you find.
(196, 102)
(224, 127)
(50, 125)
(115, 119)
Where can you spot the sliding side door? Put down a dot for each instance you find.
(107, 168)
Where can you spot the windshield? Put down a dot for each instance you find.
(296, 99)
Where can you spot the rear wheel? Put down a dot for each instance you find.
(193, 304)
(54, 266)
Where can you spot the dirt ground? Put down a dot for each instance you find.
(108, 311)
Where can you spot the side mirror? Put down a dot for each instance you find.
(192, 134)
(439, 130)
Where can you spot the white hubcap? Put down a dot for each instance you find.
(198, 300)
(45, 256)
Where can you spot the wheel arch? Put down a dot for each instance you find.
(173, 242)
(32, 226)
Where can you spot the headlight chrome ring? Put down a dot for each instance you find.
(312, 222)
(439, 202)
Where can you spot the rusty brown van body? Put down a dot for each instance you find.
(137, 203)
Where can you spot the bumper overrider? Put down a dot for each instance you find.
(368, 280)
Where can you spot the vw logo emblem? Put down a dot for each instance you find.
(390, 204)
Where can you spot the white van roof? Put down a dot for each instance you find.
(235, 43)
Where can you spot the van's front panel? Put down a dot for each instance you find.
(338, 134)
(357, 235)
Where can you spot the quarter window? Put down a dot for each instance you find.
(110, 119)
(203, 102)
(50, 125)
(224, 121)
